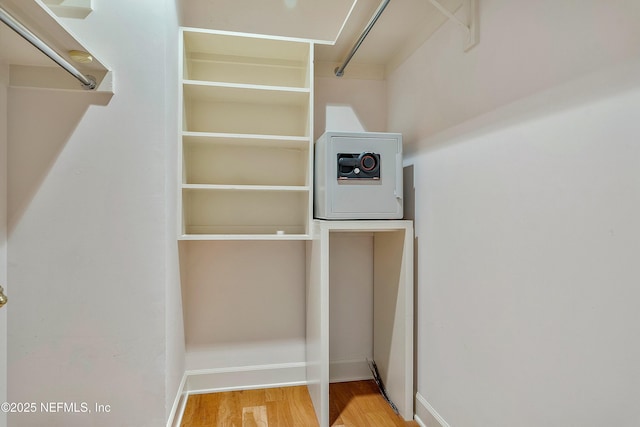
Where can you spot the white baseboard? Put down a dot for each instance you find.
(276, 375)
(426, 415)
(418, 420)
(175, 416)
(245, 377)
(237, 378)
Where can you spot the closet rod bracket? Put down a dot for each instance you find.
(88, 82)
(471, 28)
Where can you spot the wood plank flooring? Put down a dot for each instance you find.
(271, 407)
(360, 404)
(352, 404)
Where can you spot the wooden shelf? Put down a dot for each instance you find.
(241, 58)
(249, 140)
(236, 209)
(245, 93)
(234, 187)
(245, 164)
(236, 236)
(246, 144)
(215, 110)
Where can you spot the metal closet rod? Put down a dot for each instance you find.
(340, 70)
(88, 82)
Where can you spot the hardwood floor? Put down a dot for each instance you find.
(352, 404)
(360, 404)
(271, 407)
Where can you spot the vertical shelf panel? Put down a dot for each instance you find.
(317, 295)
(392, 324)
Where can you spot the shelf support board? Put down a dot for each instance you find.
(78, 9)
(471, 29)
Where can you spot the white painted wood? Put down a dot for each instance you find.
(245, 152)
(245, 110)
(252, 93)
(245, 187)
(245, 378)
(245, 211)
(311, 124)
(243, 139)
(245, 164)
(57, 78)
(426, 415)
(241, 59)
(263, 236)
(70, 8)
(37, 70)
(179, 403)
(392, 323)
(317, 306)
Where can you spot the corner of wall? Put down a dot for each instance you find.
(174, 326)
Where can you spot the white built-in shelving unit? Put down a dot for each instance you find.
(246, 173)
(246, 143)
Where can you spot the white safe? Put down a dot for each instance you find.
(358, 175)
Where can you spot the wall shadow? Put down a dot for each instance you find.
(409, 194)
(40, 123)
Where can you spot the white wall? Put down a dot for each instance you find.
(362, 104)
(367, 99)
(4, 78)
(524, 47)
(89, 255)
(244, 303)
(526, 215)
(350, 305)
(175, 343)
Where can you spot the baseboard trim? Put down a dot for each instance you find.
(178, 405)
(426, 415)
(419, 421)
(278, 375)
(236, 378)
(245, 377)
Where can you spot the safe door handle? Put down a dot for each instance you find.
(399, 173)
(3, 297)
